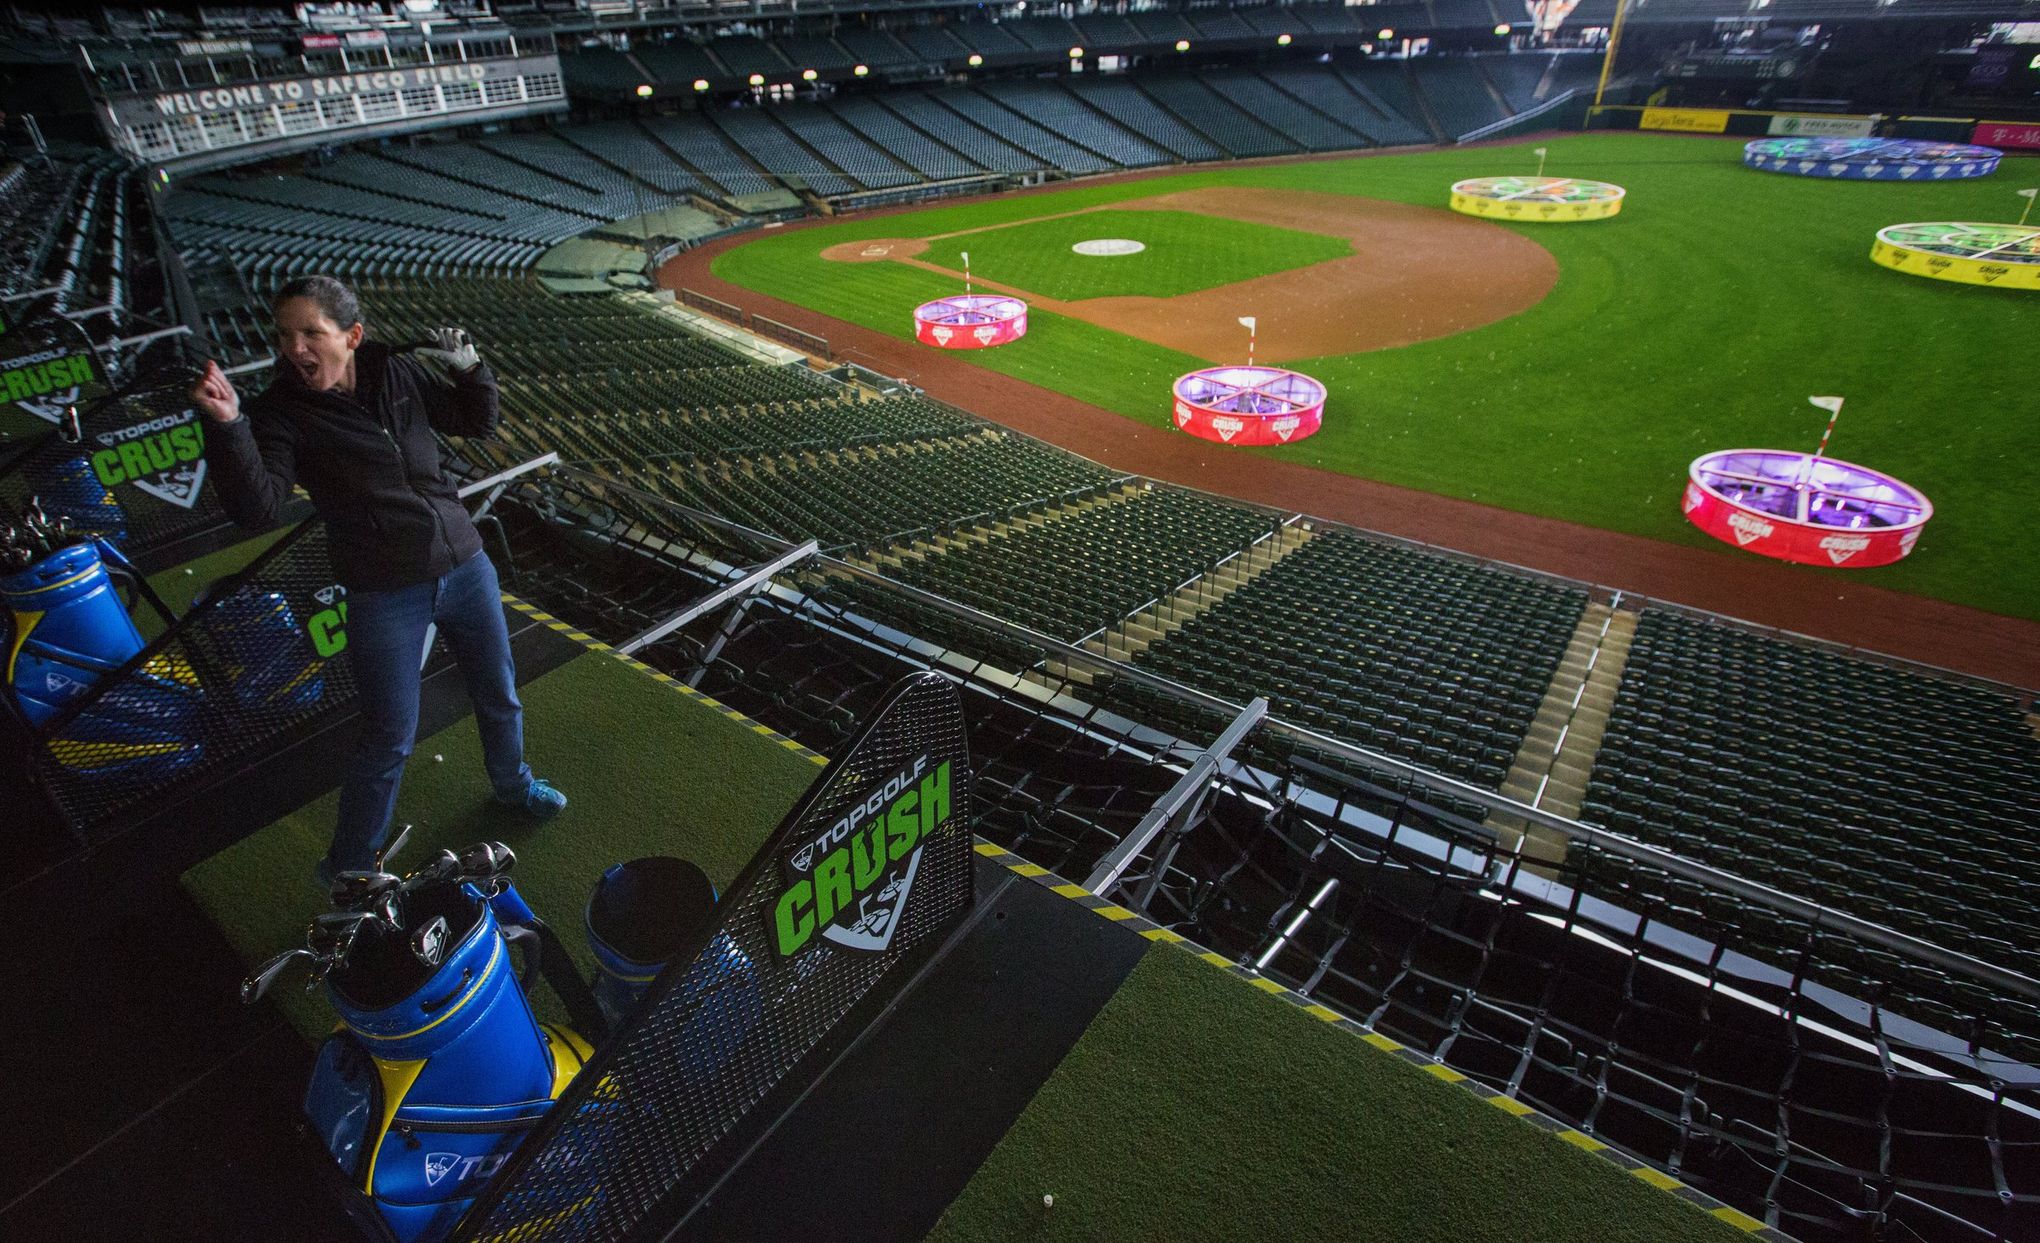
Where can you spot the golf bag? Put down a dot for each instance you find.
(641, 914)
(440, 1065)
(68, 629)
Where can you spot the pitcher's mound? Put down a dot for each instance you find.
(1109, 246)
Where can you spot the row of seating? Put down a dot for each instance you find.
(1129, 552)
(1903, 798)
(1440, 663)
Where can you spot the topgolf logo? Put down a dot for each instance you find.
(45, 382)
(164, 457)
(850, 882)
(1749, 529)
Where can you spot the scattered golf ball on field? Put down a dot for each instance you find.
(1048, 1201)
(439, 759)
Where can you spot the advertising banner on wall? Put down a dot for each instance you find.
(1789, 125)
(1686, 120)
(2023, 135)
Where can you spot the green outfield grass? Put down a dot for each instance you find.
(1185, 252)
(1700, 318)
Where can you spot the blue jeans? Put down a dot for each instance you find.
(386, 641)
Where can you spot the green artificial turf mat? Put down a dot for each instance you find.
(646, 771)
(1197, 1108)
(1700, 318)
(1185, 252)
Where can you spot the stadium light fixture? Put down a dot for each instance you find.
(1282, 40)
(976, 60)
(644, 90)
(808, 75)
(1385, 34)
(1182, 45)
(1076, 53)
(861, 70)
(1502, 29)
(757, 79)
(701, 84)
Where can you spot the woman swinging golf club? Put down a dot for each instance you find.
(352, 422)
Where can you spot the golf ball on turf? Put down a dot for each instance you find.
(1048, 1201)
(439, 759)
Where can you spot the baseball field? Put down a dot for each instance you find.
(1571, 371)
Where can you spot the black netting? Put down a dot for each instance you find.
(135, 478)
(239, 672)
(1833, 1078)
(773, 980)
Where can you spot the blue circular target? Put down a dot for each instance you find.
(1872, 159)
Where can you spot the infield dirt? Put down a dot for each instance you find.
(1415, 274)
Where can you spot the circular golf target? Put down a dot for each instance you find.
(1797, 507)
(1249, 405)
(2005, 255)
(1872, 159)
(970, 321)
(1539, 200)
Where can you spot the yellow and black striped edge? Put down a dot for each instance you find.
(594, 644)
(1507, 1104)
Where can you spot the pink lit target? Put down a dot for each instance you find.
(1801, 507)
(970, 321)
(1249, 405)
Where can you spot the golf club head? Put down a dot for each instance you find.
(332, 934)
(430, 943)
(486, 861)
(390, 851)
(357, 891)
(257, 984)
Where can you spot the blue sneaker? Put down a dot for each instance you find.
(539, 800)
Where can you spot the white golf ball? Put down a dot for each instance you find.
(1048, 1201)
(439, 759)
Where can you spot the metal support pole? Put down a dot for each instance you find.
(707, 604)
(723, 634)
(1191, 784)
(502, 479)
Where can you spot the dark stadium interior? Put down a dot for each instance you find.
(1751, 908)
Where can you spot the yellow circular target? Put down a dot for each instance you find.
(2004, 255)
(1537, 200)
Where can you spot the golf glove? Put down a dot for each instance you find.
(451, 349)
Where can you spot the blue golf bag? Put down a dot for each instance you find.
(642, 913)
(70, 488)
(69, 630)
(440, 1066)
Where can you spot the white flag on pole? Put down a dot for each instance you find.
(966, 256)
(1833, 405)
(2027, 194)
(1538, 152)
(1248, 322)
